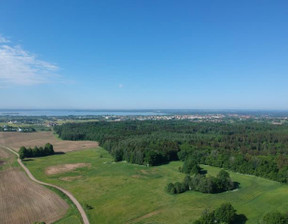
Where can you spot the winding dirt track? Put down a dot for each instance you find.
(73, 199)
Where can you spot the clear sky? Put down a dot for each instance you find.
(144, 54)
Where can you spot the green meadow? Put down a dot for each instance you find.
(128, 193)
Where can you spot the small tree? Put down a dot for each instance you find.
(22, 152)
(226, 213)
(206, 218)
(48, 149)
(179, 188)
(190, 166)
(171, 188)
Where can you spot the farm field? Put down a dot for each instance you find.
(128, 193)
(17, 139)
(23, 201)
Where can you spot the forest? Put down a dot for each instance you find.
(249, 147)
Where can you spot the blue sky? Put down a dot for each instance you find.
(144, 54)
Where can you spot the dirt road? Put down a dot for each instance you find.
(73, 199)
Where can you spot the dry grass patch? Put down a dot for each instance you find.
(23, 201)
(69, 179)
(4, 154)
(17, 139)
(144, 171)
(64, 168)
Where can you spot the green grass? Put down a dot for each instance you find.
(124, 193)
(9, 162)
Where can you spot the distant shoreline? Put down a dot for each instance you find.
(135, 112)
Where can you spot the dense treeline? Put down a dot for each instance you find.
(204, 184)
(248, 147)
(36, 151)
(273, 167)
(224, 214)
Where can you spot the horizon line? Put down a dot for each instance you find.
(148, 109)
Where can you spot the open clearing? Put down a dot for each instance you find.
(23, 201)
(128, 193)
(17, 139)
(64, 168)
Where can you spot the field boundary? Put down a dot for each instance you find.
(72, 198)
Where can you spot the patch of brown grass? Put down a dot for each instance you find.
(64, 168)
(17, 139)
(144, 171)
(69, 179)
(23, 201)
(4, 154)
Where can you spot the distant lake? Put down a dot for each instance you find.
(78, 113)
(34, 112)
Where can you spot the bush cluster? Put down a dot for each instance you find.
(275, 217)
(225, 214)
(201, 183)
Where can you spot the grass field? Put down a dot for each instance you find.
(17, 139)
(129, 193)
(23, 201)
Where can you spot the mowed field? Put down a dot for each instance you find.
(129, 193)
(17, 139)
(23, 201)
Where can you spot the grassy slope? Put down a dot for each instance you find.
(128, 193)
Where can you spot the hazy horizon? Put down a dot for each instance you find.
(144, 109)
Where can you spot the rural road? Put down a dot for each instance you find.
(73, 199)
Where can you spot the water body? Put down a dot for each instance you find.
(49, 112)
(79, 112)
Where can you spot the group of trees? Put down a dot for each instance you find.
(204, 184)
(275, 217)
(225, 214)
(248, 147)
(36, 151)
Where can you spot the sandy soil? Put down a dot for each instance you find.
(64, 168)
(17, 139)
(23, 201)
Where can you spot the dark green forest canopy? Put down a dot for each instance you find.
(247, 147)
